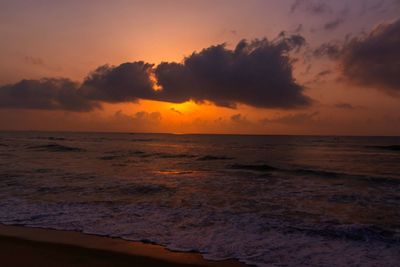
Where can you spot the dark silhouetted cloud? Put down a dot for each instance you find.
(50, 94)
(125, 83)
(370, 59)
(256, 73)
(373, 59)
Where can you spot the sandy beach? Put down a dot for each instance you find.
(24, 247)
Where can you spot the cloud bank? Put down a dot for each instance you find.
(46, 94)
(256, 73)
(370, 59)
(373, 60)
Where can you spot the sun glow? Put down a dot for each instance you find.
(184, 107)
(154, 82)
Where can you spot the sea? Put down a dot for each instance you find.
(264, 200)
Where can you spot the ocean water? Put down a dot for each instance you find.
(265, 200)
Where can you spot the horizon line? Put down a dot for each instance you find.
(171, 133)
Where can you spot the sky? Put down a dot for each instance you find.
(312, 67)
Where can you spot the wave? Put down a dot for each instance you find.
(319, 173)
(334, 175)
(126, 189)
(354, 232)
(268, 168)
(389, 147)
(252, 239)
(145, 189)
(56, 138)
(259, 168)
(211, 157)
(111, 157)
(137, 153)
(55, 148)
(316, 173)
(172, 156)
(143, 140)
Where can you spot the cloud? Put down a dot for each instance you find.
(47, 94)
(370, 59)
(324, 73)
(344, 106)
(333, 24)
(299, 28)
(125, 83)
(176, 111)
(316, 7)
(256, 73)
(378, 6)
(146, 116)
(37, 61)
(239, 118)
(332, 50)
(139, 117)
(373, 59)
(299, 118)
(141, 121)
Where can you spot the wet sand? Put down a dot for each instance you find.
(25, 247)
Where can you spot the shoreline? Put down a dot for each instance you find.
(29, 246)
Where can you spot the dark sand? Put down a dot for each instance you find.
(26, 247)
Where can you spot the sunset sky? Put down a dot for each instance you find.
(209, 66)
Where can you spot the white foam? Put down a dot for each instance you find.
(217, 235)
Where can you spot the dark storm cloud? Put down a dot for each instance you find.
(374, 59)
(50, 94)
(256, 73)
(126, 82)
